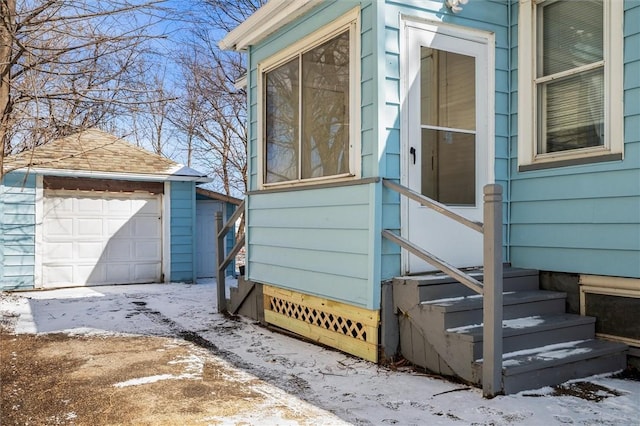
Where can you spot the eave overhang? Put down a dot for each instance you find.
(264, 22)
(182, 174)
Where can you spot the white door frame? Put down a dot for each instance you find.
(487, 39)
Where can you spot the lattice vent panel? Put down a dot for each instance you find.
(317, 317)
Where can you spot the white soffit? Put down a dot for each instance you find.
(265, 21)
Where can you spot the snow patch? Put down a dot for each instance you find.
(331, 387)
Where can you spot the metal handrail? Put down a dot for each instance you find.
(222, 262)
(432, 204)
(491, 289)
(435, 261)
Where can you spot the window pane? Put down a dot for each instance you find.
(571, 35)
(325, 109)
(449, 167)
(573, 110)
(281, 118)
(448, 95)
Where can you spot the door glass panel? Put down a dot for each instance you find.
(447, 100)
(448, 95)
(449, 167)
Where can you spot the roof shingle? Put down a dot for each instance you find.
(95, 151)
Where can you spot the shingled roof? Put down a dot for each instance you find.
(96, 151)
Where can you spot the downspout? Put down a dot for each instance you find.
(509, 130)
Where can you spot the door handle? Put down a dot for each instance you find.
(412, 151)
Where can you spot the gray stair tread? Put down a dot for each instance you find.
(518, 326)
(558, 354)
(467, 303)
(442, 278)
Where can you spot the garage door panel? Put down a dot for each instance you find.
(89, 228)
(89, 205)
(119, 273)
(143, 226)
(101, 238)
(58, 274)
(89, 273)
(53, 227)
(120, 207)
(57, 251)
(150, 207)
(119, 227)
(147, 250)
(88, 250)
(61, 205)
(119, 250)
(145, 272)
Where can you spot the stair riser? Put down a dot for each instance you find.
(540, 338)
(556, 375)
(446, 290)
(474, 316)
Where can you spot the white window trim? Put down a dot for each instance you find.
(527, 98)
(351, 21)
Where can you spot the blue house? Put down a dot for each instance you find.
(92, 209)
(352, 103)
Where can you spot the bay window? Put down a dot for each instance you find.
(308, 100)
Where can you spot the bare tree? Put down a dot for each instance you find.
(148, 120)
(67, 65)
(212, 115)
(228, 14)
(212, 110)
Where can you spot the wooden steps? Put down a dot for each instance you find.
(440, 328)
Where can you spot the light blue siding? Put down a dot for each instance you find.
(315, 241)
(183, 242)
(17, 231)
(584, 219)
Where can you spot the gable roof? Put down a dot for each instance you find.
(94, 153)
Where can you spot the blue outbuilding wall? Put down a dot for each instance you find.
(183, 239)
(17, 231)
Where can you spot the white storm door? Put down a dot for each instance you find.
(100, 238)
(448, 130)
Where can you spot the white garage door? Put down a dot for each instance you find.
(93, 238)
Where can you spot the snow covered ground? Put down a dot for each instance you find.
(345, 388)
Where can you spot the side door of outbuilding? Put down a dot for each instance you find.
(206, 237)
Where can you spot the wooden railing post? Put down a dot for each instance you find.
(492, 300)
(220, 274)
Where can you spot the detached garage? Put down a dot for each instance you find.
(92, 209)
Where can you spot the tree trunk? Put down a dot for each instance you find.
(7, 12)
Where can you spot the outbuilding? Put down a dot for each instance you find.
(93, 209)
